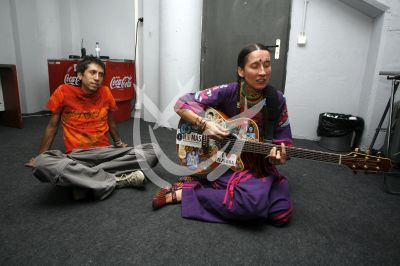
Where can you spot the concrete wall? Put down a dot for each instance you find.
(387, 31)
(172, 45)
(326, 74)
(36, 30)
(336, 71)
(151, 55)
(111, 23)
(6, 34)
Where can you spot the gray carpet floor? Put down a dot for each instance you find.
(339, 218)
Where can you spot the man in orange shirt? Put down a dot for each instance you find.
(90, 163)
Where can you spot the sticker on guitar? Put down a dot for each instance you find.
(227, 159)
(189, 135)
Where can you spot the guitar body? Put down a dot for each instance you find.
(201, 154)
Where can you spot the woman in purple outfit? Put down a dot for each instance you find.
(259, 192)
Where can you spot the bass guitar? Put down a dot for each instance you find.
(201, 154)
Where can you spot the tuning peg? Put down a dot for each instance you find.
(356, 149)
(379, 154)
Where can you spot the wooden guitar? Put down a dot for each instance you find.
(202, 154)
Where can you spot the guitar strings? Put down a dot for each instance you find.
(264, 148)
(237, 145)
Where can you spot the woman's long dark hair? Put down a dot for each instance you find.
(257, 162)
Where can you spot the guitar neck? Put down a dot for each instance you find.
(314, 155)
(265, 148)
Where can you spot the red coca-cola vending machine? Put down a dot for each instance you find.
(120, 77)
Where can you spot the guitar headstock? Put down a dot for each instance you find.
(363, 161)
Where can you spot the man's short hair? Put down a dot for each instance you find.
(86, 61)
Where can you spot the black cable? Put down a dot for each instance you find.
(136, 34)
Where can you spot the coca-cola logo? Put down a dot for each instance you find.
(71, 80)
(119, 83)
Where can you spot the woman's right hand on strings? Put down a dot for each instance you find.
(215, 131)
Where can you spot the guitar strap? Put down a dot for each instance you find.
(270, 114)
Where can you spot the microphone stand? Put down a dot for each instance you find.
(395, 78)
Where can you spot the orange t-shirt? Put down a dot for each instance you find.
(84, 117)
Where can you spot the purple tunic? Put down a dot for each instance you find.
(237, 195)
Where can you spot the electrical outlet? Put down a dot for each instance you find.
(302, 39)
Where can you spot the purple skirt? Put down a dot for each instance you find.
(238, 196)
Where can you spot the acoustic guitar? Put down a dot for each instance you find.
(201, 154)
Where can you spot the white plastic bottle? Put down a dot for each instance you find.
(97, 50)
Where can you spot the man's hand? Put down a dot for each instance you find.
(277, 157)
(29, 163)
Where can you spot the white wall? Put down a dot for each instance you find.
(171, 56)
(337, 71)
(151, 54)
(138, 59)
(111, 23)
(338, 68)
(369, 100)
(6, 38)
(180, 28)
(326, 74)
(36, 30)
(388, 58)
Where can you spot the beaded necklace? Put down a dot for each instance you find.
(250, 99)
